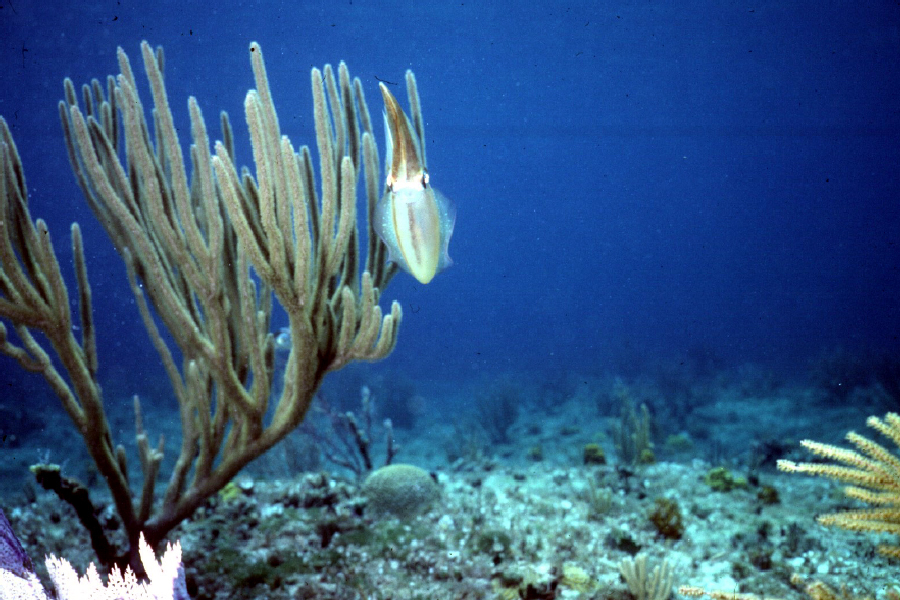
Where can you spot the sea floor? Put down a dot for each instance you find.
(515, 523)
(564, 531)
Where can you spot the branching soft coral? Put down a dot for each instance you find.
(873, 473)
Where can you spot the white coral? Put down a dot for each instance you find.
(164, 580)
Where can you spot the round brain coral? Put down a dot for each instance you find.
(400, 490)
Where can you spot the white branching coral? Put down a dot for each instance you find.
(165, 580)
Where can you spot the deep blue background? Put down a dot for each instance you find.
(631, 178)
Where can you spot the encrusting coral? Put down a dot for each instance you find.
(204, 255)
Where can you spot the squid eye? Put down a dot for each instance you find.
(425, 180)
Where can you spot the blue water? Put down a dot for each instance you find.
(633, 180)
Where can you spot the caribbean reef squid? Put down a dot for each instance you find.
(414, 220)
